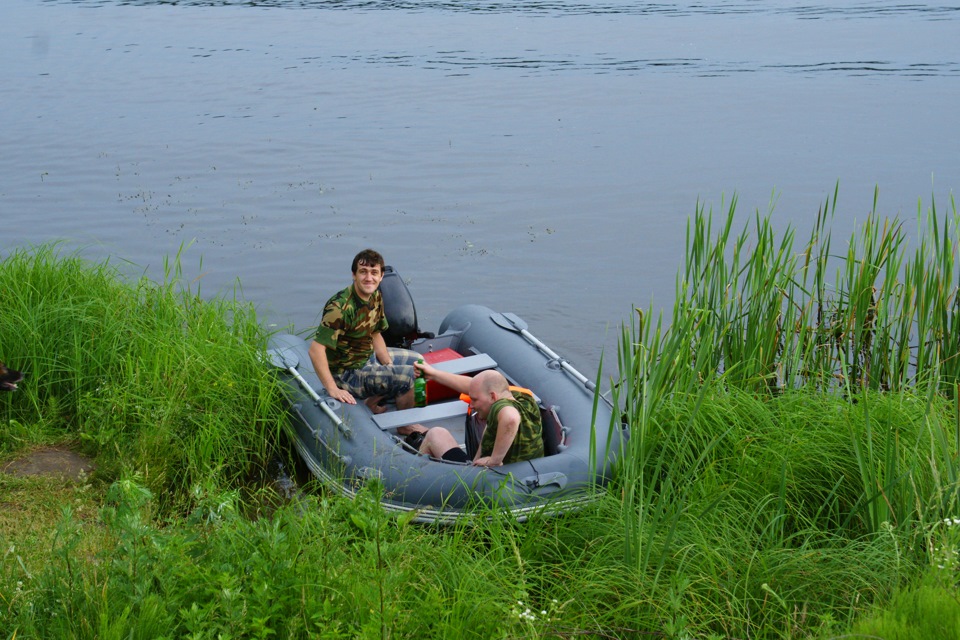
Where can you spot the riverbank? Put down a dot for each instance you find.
(785, 478)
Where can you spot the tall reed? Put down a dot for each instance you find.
(770, 316)
(801, 405)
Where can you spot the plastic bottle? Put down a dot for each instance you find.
(420, 389)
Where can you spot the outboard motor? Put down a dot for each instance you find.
(400, 310)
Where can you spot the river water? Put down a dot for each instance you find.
(538, 157)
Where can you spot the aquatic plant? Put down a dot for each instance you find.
(801, 405)
(765, 315)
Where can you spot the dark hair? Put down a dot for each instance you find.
(368, 258)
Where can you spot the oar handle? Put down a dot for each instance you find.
(511, 322)
(344, 429)
(587, 382)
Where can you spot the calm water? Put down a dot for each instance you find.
(537, 157)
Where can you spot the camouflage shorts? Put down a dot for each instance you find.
(375, 379)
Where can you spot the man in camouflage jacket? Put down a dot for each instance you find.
(348, 351)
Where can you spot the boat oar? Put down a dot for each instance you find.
(288, 360)
(511, 322)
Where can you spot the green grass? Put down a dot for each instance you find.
(144, 376)
(929, 610)
(770, 314)
(791, 471)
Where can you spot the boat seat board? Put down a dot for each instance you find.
(467, 364)
(451, 361)
(429, 413)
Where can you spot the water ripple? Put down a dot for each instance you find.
(864, 10)
(461, 62)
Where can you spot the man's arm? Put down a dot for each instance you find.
(380, 349)
(508, 424)
(318, 356)
(455, 381)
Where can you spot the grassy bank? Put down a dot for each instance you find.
(147, 377)
(792, 470)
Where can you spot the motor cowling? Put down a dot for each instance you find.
(400, 310)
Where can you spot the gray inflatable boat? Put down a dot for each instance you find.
(347, 445)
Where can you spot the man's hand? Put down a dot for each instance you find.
(342, 395)
(425, 370)
(487, 461)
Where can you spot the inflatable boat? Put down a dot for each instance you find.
(348, 445)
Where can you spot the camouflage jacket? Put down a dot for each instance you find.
(347, 328)
(528, 443)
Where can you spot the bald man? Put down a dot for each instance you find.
(513, 433)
